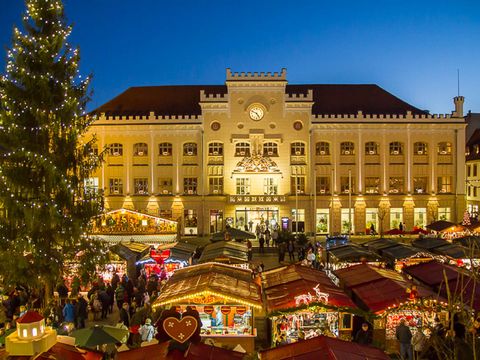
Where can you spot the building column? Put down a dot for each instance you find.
(335, 215)
(432, 209)
(360, 214)
(383, 215)
(408, 213)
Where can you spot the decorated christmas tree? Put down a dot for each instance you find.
(466, 218)
(45, 162)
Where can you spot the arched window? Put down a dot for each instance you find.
(444, 148)
(322, 148)
(270, 149)
(242, 149)
(371, 148)
(347, 148)
(297, 148)
(396, 148)
(165, 149)
(420, 148)
(215, 149)
(189, 149)
(140, 149)
(115, 149)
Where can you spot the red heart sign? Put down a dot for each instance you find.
(180, 330)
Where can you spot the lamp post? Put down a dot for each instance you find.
(349, 201)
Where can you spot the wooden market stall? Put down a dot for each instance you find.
(390, 297)
(302, 303)
(325, 348)
(131, 252)
(225, 296)
(401, 255)
(226, 252)
(460, 281)
(445, 251)
(350, 254)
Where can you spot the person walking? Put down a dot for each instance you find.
(364, 335)
(68, 312)
(81, 310)
(261, 241)
(274, 237)
(249, 250)
(404, 336)
(125, 315)
(291, 250)
(267, 237)
(119, 295)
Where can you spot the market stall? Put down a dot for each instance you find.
(225, 296)
(349, 255)
(401, 255)
(378, 245)
(390, 297)
(131, 252)
(302, 302)
(445, 251)
(231, 233)
(227, 252)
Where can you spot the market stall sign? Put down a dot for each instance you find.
(208, 309)
(225, 310)
(308, 298)
(180, 330)
(205, 299)
(241, 310)
(160, 256)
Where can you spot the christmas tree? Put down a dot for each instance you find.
(466, 218)
(45, 161)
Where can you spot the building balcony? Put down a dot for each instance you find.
(165, 160)
(420, 158)
(396, 159)
(257, 199)
(215, 159)
(115, 160)
(323, 159)
(444, 159)
(298, 159)
(347, 159)
(372, 159)
(140, 160)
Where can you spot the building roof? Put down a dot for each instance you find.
(323, 347)
(282, 285)
(440, 225)
(229, 282)
(30, 317)
(185, 99)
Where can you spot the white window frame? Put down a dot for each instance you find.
(140, 149)
(371, 148)
(347, 148)
(215, 149)
(396, 148)
(297, 148)
(115, 149)
(165, 149)
(115, 186)
(140, 186)
(242, 186)
(322, 148)
(270, 186)
(242, 149)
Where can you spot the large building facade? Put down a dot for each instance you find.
(313, 158)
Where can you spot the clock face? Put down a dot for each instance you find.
(256, 113)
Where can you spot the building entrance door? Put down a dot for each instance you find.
(248, 218)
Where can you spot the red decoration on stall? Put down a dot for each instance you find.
(241, 310)
(208, 309)
(160, 255)
(225, 310)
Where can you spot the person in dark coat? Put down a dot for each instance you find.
(115, 281)
(62, 292)
(125, 315)
(111, 294)
(404, 337)
(105, 300)
(363, 336)
(81, 311)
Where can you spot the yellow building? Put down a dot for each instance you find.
(259, 151)
(473, 173)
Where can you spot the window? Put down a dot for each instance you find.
(396, 148)
(165, 149)
(243, 186)
(270, 186)
(189, 149)
(322, 148)
(371, 218)
(444, 184)
(347, 148)
(396, 217)
(165, 186)
(444, 148)
(190, 185)
(323, 185)
(140, 186)
(420, 185)
(347, 219)
(372, 185)
(270, 149)
(215, 185)
(420, 148)
(469, 193)
(444, 213)
(115, 149)
(419, 217)
(116, 186)
(371, 148)
(322, 221)
(190, 221)
(297, 148)
(215, 149)
(298, 220)
(299, 181)
(396, 185)
(474, 169)
(140, 149)
(474, 191)
(91, 185)
(469, 170)
(242, 149)
(344, 188)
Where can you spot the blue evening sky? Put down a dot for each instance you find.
(410, 48)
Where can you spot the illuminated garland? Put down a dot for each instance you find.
(318, 306)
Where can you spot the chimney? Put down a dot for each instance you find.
(458, 101)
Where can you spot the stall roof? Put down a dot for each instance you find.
(282, 285)
(377, 296)
(459, 280)
(354, 253)
(380, 244)
(182, 251)
(402, 251)
(131, 249)
(323, 347)
(145, 239)
(451, 250)
(234, 233)
(230, 251)
(468, 241)
(365, 273)
(229, 282)
(429, 243)
(440, 225)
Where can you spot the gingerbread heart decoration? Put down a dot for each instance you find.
(180, 330)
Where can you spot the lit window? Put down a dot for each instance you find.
(165, 149)
(140, 149)
(242, 149)
(215, 185)
(270, 186)
(420, 148)
(297, 148)
(189, 149)
(444, 184)
(396, 148)
(243, 186)
(34, 332)
(444, 148)
(115, 149)
(270, 149)
(347, 148)
(215, 149)
(322, 148)
(371, 148)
